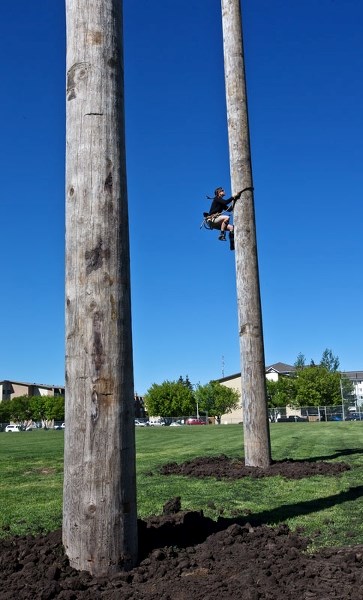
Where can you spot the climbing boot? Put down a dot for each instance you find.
(222, 237)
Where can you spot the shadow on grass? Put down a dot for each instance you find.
(189, 528)
(337, 454)
(287, 511)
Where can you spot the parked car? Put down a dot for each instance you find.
(335, 418)
(139, 423)
(156, 422)
(12, 429)
(354, 416)
(176, 424)
(59, 427)
(193, 421)
(292, 419)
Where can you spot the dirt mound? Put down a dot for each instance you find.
(223, 467)
(184, 555)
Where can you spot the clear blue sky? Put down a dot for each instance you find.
(304, 64)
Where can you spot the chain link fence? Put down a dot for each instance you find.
(339, 412)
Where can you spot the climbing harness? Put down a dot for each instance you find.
(208, 220)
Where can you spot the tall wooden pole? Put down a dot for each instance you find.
(99, 514)
(254, 397)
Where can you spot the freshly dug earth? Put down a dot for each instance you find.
(222, 467)
(186, 556)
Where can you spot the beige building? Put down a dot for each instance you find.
(233, 382)
(13, 389)
(273, 372)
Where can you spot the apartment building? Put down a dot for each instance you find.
(13, 389)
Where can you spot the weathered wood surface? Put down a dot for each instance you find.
(254, 398)
(99, 515)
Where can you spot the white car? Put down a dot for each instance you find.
(12, 428)
(59, 427)
(141, 423)
(156, 422)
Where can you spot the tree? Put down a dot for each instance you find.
(254, 396)
(281, 392)
(347, 390)
(4, 411)
(38, 408)
(24, 409)
(170, 399)
(300, 361)
(99, 497)
(216, 399)
(317, 386)
(329, 361)
(20, 409)
(313, 385)
(55, 408)
(186, 382)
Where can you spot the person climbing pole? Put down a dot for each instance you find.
(216, 218)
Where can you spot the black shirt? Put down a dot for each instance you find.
(219, 205)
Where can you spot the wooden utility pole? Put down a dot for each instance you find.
(254, 397)
(99, 513)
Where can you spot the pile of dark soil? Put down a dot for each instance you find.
(223, 467)
(239, 562)
(186, 556)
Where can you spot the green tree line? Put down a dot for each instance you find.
(180, 398)
(311, 385)
(25, 409)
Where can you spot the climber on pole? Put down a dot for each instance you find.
(217, 219)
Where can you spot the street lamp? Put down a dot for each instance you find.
(342, 397)
(195, 386)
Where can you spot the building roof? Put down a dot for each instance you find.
(353, 374)
(27, 384)
(229, 377)
(280, 367)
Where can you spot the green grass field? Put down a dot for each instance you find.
(329, 508)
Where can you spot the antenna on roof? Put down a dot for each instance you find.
(222, 365)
